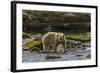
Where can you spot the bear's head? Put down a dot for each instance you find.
(60, 37)
(60, 48)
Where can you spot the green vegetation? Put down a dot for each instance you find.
(37, 47)
(88, 56)
(33, 45)
(80, 37)
(30, 16)
(25, 35)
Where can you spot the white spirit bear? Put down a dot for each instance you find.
(55, 41)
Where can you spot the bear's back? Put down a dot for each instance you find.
(49, 37)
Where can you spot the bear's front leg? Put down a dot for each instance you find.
(65, 48)
(45, 48)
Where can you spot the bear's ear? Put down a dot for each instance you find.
(63, 35)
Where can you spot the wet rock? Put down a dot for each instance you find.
(79, 55)
(53, 57)
(88, 56)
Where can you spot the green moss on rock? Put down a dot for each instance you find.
(53, 57)
(88, 56)
(25, 35)
(33, 45)
(80, 37)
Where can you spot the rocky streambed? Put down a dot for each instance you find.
(82, 54)
(82, 51)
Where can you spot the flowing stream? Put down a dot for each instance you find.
(28, 56)
(75, 53)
